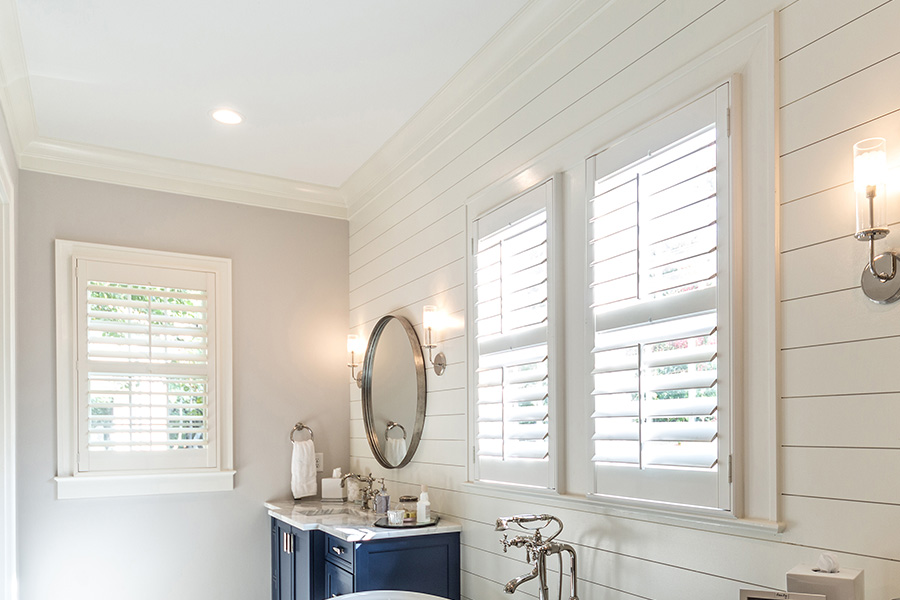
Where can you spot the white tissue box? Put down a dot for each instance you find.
(846, 584)
(332, 490)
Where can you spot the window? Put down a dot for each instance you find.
(671, 357)
(144, 371)
(660, 287)
(513, 396)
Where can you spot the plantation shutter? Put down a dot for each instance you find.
(654, 279)
(146, 367)
(511, 298)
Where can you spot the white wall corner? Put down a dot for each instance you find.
(7, 379)
(15, 90)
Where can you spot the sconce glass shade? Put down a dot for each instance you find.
(429, 317)
(431, 320)
(869, 176)
(355, 347)
(354, 344)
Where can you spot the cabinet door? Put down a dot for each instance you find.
(427, 564)
(298, 563)
(337, 581)
(282, 561)
(275, 552)
(308, 565)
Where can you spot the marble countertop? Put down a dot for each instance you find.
(346, 521)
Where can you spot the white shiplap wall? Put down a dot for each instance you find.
(839, 411)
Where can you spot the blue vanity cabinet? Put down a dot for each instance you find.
(298, 563)
(315, 565)
(422, 563)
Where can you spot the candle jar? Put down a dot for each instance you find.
(408, 504)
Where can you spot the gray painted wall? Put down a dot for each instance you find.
(290, 321)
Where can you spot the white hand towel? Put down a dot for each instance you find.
(303, 469)
(395, 450)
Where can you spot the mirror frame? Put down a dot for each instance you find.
(368, 412)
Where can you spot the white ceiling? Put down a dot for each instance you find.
(322, 84)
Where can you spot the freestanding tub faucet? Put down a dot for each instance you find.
(536, 551)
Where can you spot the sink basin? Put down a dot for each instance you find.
(318, 512)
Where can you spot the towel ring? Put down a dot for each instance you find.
(299, 427)
(391, 425)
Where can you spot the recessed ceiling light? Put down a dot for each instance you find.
(226, 116)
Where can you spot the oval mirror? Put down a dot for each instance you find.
(393, 391)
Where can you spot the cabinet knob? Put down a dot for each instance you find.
(337, 550)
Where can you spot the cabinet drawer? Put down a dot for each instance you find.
(339, 552)
(337, 581)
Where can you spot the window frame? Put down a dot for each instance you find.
(477, 209)
(72, 483)
(676, 487)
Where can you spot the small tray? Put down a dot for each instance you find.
(383, 522)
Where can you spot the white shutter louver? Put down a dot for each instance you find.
(146, 370)
(653, 276)
(512, 392)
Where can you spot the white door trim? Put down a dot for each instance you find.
(8, 587)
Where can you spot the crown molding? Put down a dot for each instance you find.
(168, 175)
(15, 91)
(535, 31)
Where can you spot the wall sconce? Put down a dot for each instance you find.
(878, 279)
(430, 321)
(354, 346)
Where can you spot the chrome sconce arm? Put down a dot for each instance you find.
(879, 286)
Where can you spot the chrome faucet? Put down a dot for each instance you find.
(367, 493)
(536, 551)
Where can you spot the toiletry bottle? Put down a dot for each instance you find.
(382, 500)
(423, 507)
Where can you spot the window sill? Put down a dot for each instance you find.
(133, 484)
(756, 528)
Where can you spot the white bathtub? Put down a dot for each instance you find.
(389, 595)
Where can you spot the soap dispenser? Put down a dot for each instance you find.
(382, 500)
(423, 507)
